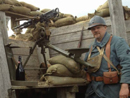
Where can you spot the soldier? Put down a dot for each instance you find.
(107, 52)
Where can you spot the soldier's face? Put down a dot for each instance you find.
(98, 32)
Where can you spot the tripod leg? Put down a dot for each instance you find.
(43, 53)
(31, 52)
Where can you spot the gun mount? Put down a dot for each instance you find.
(44, 42)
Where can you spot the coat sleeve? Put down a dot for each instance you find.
(123, 54)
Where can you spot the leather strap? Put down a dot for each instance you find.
(108, 47)
(99, 78)
(90, 52)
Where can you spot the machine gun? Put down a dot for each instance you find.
(44, 42)
(46, 17)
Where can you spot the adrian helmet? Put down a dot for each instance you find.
(96, 20)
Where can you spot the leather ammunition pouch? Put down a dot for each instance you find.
(110, 77)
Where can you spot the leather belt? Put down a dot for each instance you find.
(98, 78)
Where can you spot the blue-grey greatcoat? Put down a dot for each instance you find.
(119, 54)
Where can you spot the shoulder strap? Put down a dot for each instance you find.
(107, 57)
(108, 47)
(90, 52)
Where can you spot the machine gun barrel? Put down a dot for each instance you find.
(46, 17)
(67, 54)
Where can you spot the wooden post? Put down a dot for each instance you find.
(4, 72)
(117, 18)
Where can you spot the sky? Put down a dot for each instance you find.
(74, 7)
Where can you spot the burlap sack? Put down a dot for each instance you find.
(67, 62)
(45, 10)
(1, 1)
(90, 15)
(32, 7)
(59, 70)
(8, 2)
(67, 15)
(5, 7)
(104, 6)
(54, 80)
(126, 8)
(59, 17)
(34, 13)
(24, 37)
(16, 3)
(103, 12)
(29, 30)
(12, 37)
(82, 18)
(20, 9)
(65, 21)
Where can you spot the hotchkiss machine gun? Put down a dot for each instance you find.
(44, 42)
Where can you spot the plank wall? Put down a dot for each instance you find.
(67, 37)
(33, 62)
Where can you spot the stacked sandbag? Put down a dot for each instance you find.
(31, 7)
(12, 37)
(104, 6)
(20, 9)
(5, 7)
(65, 21)
(82, 18)
(126, 12)
(64, 71)
(103, 10)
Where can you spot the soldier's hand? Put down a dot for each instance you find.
(124, 91)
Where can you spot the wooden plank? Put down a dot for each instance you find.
(24, 83)
(117, 18)
(69, 37)
(21, 43)
(70, 45)
(4, 72)
(23, 51)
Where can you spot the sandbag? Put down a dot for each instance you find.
(30, 6)
(54, 80)
(104, 6)
(16, 3)
(8, 2)
(24, 37)
(59, 70)
(12, 37)
(20, 9)
(62, 71)
(90, 15)
(1, 1)
(126, 8)
(67, 62)
(59, 17)
(5, 7)
(103, 12)
(65, 21)
(29, 30)
(82, 18)
(45, 10)
(34, 13)
(67, 15)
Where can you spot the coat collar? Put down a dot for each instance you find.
(103, 42)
